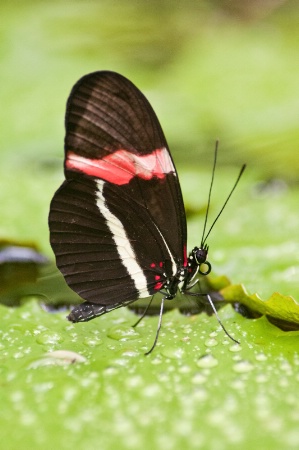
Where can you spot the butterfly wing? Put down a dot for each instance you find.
(117, 223)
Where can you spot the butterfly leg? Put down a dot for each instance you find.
(158, 328)
(144, 313)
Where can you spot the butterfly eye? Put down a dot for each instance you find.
(200, 255)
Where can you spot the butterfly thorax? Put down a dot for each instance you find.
(186, 275)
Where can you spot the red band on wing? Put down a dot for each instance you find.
(121, 166)
(185, 263)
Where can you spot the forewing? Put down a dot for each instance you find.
(113, 133)
(105, 113)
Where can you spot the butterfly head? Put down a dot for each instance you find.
(200, 256)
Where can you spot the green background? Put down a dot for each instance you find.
(217, 69)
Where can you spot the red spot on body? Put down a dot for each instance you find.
(153, 265)
(185, 256)
(157, 277)
(158, 286)
(161, 264)
(121, 166)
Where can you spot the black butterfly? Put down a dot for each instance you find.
(117, 223)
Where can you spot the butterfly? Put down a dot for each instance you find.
(118, 223)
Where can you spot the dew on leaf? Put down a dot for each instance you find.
(283, 382)
(200, 395)
(92, 341)
(111, 370)
(261, 378)
(213, 334)
(16, 327)
(130, 353)
(187, 329)
(28, 418)
(156, 361)
(163, 377)
(184, 369)
(243, 366)
(207, 362)
(211, 342)
(199, 378)
(49, 337)
(173, 352)
(261, 357)
(238, 384)
(43, 387)
(122, 332)
(151, 390)
(134, 382)
(121, 362)
(235, 348)
(286, 367)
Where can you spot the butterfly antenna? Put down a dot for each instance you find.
(203, 239)
(225, 203)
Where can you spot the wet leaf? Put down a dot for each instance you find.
(282, 309)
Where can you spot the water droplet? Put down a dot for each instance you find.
(207, 362)
(286, 367)
(261, 357)
(134, 382)
(130, 353)
(163, 377)
(151, 390)
(18, 355)
(238, 384)
(43, 387)
(16, 327)
(211, 342)
(199, 395)
(199, 378)
(261, 378)
(213, 334)
(92, 341)
(121, 362)
(235, 348)
(283, 382)
(187, 329)
(173, 352)
(184, 369)
(49, 337)
(243, 366)
(122, 332)
(156, 361)
(111, 371)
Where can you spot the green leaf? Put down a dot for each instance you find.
(196, 389)
(278, 306)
